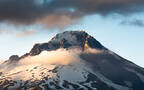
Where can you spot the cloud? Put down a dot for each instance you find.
(134, 22)
(1, 61)
(22, 33)
(62, 13)
(5, 31)
(57, 21)
(25, 33)
(28, 12)
(60, 56)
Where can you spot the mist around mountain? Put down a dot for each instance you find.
(72, 60)
(1, 61)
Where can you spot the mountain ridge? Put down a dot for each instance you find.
(62, 43)
(66, 40)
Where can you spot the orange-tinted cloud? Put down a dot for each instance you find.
(62, 13)
(25, 33)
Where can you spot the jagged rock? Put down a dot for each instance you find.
(14, 58)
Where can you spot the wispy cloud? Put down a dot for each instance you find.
(60, 56)
(25, 33)
(134, 22)
(5, 31)
(1, 61)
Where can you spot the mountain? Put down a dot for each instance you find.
(72, 60)
(67, 39)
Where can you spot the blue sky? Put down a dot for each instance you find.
(125, 40)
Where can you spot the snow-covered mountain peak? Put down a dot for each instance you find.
(71, 36)
(67, 40)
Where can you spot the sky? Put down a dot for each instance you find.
(117, 24)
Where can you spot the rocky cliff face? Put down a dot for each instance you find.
(97, 69)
